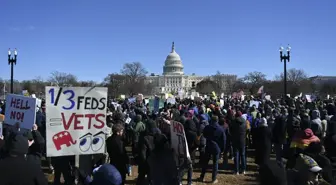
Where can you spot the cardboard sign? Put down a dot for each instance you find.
(75, 120)
(179, 141)
(20, 109)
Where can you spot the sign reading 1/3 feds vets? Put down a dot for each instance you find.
(75, 120)
(20, 110)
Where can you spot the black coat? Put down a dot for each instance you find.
(36, 149)
(117, 153)
(279, 130)
(146, 146)
(263, 145)
(190, 130)
(19, 171)
(238, 132)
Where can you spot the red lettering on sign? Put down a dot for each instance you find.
(77, 121)
(90, 116)
(100, 118)
(177, 128)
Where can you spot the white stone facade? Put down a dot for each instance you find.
(173, 78)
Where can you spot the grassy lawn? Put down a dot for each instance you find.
(225, 175)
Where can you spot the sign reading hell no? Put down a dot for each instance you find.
(20, 110)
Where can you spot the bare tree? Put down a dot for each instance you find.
(115, 84)
(294, 75)
(225, 82)
(206, 86)
(254, 80)
(62, 79)
(135, 75)
(88, 83)
(134, 71)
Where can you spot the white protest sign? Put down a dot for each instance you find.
(20, 109)
(115, 105)
(128, 120)
(146, 101)
(179, 141)
(75, 120)
(221, 102)
(308, 97)
(255, 103)
(171, 100)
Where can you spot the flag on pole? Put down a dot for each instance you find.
(261, 90)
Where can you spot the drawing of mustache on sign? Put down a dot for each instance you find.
(55, 121)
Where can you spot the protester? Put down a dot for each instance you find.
(299, 131)
(215, 144)
(117, 151)
(15, 169)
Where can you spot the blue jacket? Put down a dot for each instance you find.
(106, 174)
(215, 138)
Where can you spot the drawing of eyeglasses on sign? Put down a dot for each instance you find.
(95, 142)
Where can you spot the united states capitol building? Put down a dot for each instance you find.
(173, 78)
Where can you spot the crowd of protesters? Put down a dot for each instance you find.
(302, 135)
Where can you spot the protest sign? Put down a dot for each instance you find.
(255, 103)
(20, 109)
(179, 141)
(171, 100)
(76, 120)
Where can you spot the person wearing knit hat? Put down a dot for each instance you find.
(307, 171)
(107, 174)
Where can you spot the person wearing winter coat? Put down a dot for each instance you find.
(105, 174)
(330, 142)
(162, 164)
(15, 169)
(35, 151)
(279, 135)
(138, 128)
(117, 151)
(315, 151)
(215, 145)
(264, 140)
(300, 142)
(305, 119)
(316, 124)
(190, 130)
(305, 172)
(238, 134)
(146, 147)
(293, 123)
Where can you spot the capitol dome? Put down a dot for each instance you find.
(173, 64)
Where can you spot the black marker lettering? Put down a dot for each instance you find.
(80, 101)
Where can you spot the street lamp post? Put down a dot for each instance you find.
(285, 58)
(12, 61)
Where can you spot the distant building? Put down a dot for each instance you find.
(173, 78)
(321, 80)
